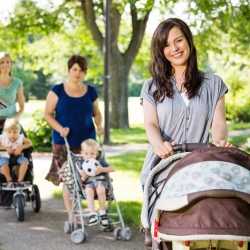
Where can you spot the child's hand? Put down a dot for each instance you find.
(18, 150)
(10, 150)
(84, 176)
(99, 170)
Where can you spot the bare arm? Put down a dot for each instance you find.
(50, 107)
(20, 100)
(101, 169)
(97, 116)
(219, 126)
(26, 143)
(151, 124)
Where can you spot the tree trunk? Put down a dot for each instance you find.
(119, 72)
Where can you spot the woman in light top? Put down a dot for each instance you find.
(181, 104)
(11, 91)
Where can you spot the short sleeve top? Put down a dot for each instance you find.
(187, 123)
(76, 113)
(6, 142)
(183, 123)
(8, 98)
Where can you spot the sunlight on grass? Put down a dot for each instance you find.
(131, 162)
(131, 135)
(131, 211)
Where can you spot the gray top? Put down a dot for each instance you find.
(185, 123)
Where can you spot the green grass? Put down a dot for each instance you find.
(238, 125)
(241, 142)
(130, 210)
(130, 135)
(130, 162)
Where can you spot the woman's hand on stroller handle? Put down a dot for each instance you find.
(163, 149)
(64, 131)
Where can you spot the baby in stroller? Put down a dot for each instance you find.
(93, 171)
(14, 143)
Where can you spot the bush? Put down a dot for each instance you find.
(237, 100)
(134, 89)
(40, 133)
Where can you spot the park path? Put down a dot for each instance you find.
(44, 231)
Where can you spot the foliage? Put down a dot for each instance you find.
(237, 100)
(134, 89)
(40, 133)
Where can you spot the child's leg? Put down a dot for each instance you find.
(90, 195)
(5, 170)
(23, 167)
(22, 171)
(101, 194)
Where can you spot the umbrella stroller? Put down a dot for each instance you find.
(199, 200)
(72, 180)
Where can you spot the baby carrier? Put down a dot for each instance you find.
(199, 200)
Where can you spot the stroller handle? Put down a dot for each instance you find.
(189, 147)
(184, 147)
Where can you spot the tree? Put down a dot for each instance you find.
(121, 60)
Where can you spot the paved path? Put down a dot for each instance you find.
(44, 231)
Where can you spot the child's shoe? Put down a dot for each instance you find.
(105, 221)
(93, 219)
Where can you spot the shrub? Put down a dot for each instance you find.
(40, 133)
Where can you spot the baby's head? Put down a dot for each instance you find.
(12, 129)
(90, 149)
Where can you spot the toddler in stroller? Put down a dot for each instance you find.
(93, 171)
(14, 143)
(16, 177)
(86, 177)
(199, 200)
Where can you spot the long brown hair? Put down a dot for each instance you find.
(161, 69)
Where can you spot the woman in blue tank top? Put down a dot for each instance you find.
(70, 109)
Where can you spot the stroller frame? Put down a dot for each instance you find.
(78, 232)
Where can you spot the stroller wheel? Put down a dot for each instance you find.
(117, 233)
(78, 236)
(36, 199)
(19, 206)
(126, 233)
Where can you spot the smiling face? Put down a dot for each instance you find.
(76, 74)
(5, 65)
(177, 49)
(89, 152)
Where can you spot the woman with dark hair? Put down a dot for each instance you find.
(70, 109)
(11, 91)
(180, 102)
